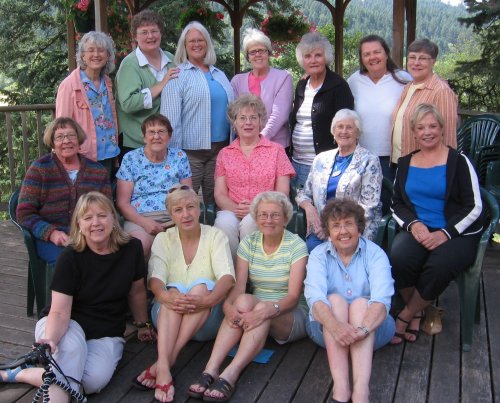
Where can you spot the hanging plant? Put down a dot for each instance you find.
(282, 29)
(82, 14)
(211, 20)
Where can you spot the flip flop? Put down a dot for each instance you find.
(204, 381)
(12, 373)
(222, 386)
(165, 388)
(147, 376)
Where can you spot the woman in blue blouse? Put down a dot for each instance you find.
(86, 95)
(437, 203)
(196, 104)
(144, 178)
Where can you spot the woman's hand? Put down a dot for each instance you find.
(51, 343)
(170, 298)
(194, 303)
(146, 334)
(151, 226)
(434, 239)
(254, 318)
(58, 238)
(314, 222)
(242, 209)
(171, 73)
(419, 231)
(345, 334)
(232, 315)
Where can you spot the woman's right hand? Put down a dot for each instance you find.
(314, 222)
(232, 315)
(345, 334)
(242, 209)
(151, 226)
(51, 343)
(58, 238)
(420, 232)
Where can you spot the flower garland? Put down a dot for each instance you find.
(211, 20)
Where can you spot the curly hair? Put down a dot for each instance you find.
(338, 209)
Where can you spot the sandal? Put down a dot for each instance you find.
(12, 373)
(414, 332)
(147, 376)
(222, 386)
(165, 388)
(204, 381)
(400, 336)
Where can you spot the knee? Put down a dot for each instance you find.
(245, 303)
(337, 300)
(96, 379)
(199, 289)
(357, 310)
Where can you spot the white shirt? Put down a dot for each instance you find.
(158, 74)
(374, 103)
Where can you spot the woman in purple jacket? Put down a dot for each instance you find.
(273, 86)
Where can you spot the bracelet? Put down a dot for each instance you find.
(140, 325)
(364, 330)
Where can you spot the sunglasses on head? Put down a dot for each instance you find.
(182, 187)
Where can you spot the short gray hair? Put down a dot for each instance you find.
(102, 40)
(253, 37)
(344, 114)
(272, 197)
(181, 52)
(424, 45)
(422, 110)
(311, 41)
(247, 100)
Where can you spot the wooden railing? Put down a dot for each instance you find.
(22, 127)
(21, 132)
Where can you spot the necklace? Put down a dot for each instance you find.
(340, 164)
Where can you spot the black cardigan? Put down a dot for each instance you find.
(333, 95)
(463, 206)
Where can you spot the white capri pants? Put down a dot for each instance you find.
(92, 362)
(234, 228)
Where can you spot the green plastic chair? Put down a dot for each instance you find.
(39, 272)
(483, 157)
(477, 132)
(469, 280)
(492, 181)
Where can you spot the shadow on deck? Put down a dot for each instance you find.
(432, 370)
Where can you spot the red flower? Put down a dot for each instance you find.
(219, 16)
(83, 5)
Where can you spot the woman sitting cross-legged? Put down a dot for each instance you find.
(348, 289)
(95, 276)
(437, 203)
(273, 260)
(190, 273)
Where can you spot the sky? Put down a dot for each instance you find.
(453, 2)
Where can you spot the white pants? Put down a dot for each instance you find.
(234, 228)
(92, 362)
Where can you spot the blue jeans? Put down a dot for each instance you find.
(48, 251)
(383, 334)
(302, 172)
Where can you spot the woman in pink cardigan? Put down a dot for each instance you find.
(273, 86)
(86, 95)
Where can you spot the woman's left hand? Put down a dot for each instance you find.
(194, 303)
(434, 239)
(146, 334)
(251, 320)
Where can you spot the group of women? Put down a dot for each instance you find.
(244, 144)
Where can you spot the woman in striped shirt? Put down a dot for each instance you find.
(274, 261)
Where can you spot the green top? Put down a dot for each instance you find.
(131, 79)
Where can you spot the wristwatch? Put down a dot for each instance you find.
(277, 307)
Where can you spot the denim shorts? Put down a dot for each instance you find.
(383, 334)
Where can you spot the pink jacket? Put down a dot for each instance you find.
(72, 101)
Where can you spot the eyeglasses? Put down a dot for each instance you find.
(196, 41)
(259, 52)
(152, 133)
(69, 136)
(422, 59)
(348, 226)
(265, 216)
(181, 187)
(146, 33)
(251, 119)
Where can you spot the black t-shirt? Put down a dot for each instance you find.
(99, 285)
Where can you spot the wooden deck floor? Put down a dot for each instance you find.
(432, 370)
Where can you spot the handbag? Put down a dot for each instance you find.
(432, 324)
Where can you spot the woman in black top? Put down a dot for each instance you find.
(96, 278)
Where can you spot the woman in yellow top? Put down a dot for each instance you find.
(190, 273)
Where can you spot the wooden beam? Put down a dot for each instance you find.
(398, 25)
(411, 20)
(71, 41)
(101, 15)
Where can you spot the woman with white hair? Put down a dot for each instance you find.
(318, 97)
(273, 86)
(86, 96)
(272, 261)
(196, 105)
(348, 171)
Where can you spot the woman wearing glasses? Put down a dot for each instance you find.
(273, 86)
(426, 87)
(273, 261)
(141, 78)
(190, 273)
(144, 178)
(53, 184)
(251, 164)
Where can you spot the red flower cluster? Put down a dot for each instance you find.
(82, 5)
(219, 16)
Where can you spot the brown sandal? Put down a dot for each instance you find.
(204, 381)
(222, 386)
